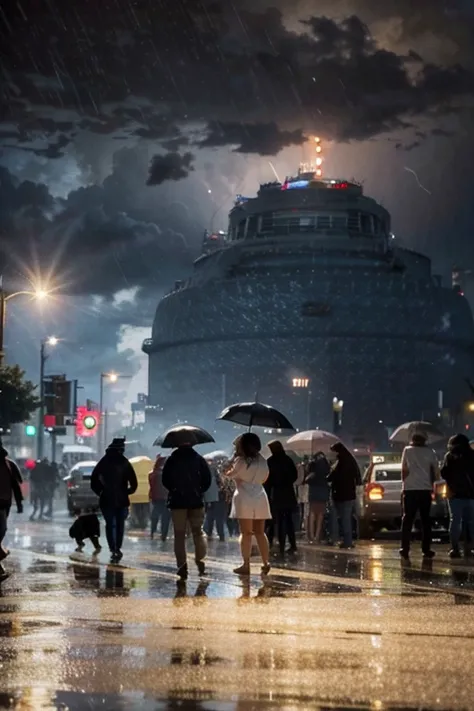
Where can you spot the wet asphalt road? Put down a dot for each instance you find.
(328, 629)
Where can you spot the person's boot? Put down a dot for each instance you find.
(455, 553)
(183, 572)
(3, 573)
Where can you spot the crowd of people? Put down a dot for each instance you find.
(256, 497)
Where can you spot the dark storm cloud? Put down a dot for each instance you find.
(53, 150)
(90, 241)
(265, 139)
(140, 70)
(170, 166)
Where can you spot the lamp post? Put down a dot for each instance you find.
(304, 383)
(111, 378)
(51, 341)
(38, 294)
(337, 408)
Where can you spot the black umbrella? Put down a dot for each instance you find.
(183, 434)
(256, 414)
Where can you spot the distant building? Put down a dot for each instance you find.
(309, 283)
(463, 283)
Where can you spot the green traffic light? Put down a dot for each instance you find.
(30, 430)
(90, 422)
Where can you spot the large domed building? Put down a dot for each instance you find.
(307, 298)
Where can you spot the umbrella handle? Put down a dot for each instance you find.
(250, 422)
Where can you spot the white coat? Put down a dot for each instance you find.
(250, 499)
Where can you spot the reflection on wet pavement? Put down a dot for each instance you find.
(329, 629)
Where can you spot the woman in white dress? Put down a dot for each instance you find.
(250, 502)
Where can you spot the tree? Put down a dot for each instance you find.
(18, 399)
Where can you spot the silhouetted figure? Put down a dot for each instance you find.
(344, 479)
(186, 475)
(159, 499)
(10, 487)
(114, 480)
(318, 494)
(420, 469)
(458, 472)
(281, 487)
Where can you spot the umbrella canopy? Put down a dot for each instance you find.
(311, 441)
(255, 414)
(183, 434)
(405, 432)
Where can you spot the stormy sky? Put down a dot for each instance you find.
(128, 126)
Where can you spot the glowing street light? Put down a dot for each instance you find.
(337, 408)
(37, 293)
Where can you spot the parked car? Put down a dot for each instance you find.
(380, 503)
(78, 486)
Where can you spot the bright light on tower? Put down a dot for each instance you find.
(113, 377)
(319, 161)
(319, 172)
(52, 341)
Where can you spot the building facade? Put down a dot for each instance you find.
(308, 283)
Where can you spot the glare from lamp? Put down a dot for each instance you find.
(52, 341)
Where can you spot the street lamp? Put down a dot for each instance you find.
(337, 408)
(38, 294)
(304, 383)
(52, 341)
(111, 378)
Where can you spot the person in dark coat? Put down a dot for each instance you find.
(113, 480)
(344, 479)
(187, 477)
(158, 496)
(10, 486)
(281, 488)
(458, 472)
(86, 525)
(318, 494)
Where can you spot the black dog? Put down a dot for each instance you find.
(86, 526)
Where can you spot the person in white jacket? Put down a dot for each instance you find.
(250, 502)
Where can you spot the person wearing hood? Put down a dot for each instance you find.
(113, 480)
(458, 472)
(280, 487)
(10, 486)
(187, 477)
(344, 479)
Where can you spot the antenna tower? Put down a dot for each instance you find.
(316, 162)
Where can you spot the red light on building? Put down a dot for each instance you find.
(49, 421)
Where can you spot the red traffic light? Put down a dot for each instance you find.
(87, 422)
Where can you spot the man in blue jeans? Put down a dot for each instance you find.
(344, 479)
(114, 480)
(458, 472)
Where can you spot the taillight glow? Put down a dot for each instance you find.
(375, 492)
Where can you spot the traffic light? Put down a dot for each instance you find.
(30, 430)
(57, 393)
(87, 422)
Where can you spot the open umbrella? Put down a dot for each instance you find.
(311, 441)
(405, 432)
(183, 434)
(255, 414)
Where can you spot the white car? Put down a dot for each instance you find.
(80, 496)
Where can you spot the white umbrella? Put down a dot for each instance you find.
(311, 441)
(405, 432)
